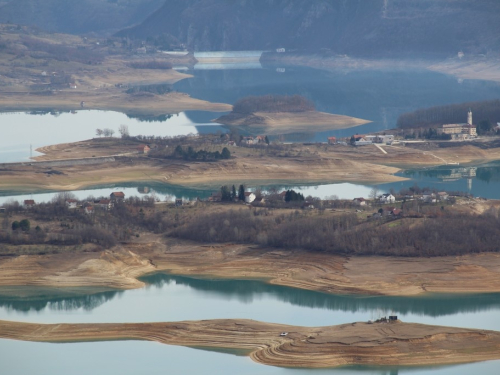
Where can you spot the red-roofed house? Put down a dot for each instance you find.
(143, 149)
(117, 196)
(332, 140)
(29, 203)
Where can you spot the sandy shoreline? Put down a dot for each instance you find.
(121, 267)
(275, 123)
(316, 347)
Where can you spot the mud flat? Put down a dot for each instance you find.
(119, 268)
(349, 344)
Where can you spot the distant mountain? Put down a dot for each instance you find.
(77, 16)
(353, 27)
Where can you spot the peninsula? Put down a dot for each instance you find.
(277, 114)
(379, 343)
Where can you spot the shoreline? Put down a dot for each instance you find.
(122, 268)
(397, 343)
(277, 123)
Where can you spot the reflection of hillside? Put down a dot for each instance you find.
(247, 290)
(36, 299)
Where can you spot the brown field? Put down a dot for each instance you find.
(316, 347)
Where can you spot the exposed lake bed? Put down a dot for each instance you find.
(123, 269)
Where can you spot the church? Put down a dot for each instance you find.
(460, 131)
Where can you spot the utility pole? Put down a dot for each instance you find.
(31, 151)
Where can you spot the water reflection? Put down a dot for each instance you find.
(247, 290)
(378, 96)
(26, 299)
(480, 181)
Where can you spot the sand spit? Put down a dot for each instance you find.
(348, 344)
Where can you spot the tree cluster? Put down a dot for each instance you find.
(191, 154)
(105, 132)
(485, 113)
(438, 233)
(273, 103)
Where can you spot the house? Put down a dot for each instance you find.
(143, 149)
(283, 195)
(259, 200)
(332, 140)
(393, 318)
(387, 198)
(103, 204)
(429, 198)
(29, 203)
(361, 140)
(397, 212)
(117, 197)
(359, 201)
(2, 210)
(249, 141)
(72, 85)
(389, 210)
(385, 139)
(71, 203)
(308, 205)
(215, 197)
(249, 197)
(442, 195)
(89, 210)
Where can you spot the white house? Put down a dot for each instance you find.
(249, 197)
(387, 198)
(71, 203)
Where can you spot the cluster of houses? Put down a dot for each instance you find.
(361, 140)
(388, 198)
(260, 139)
(87, 207)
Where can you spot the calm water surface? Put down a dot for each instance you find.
(174, 298)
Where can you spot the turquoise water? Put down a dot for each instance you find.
(174, 298)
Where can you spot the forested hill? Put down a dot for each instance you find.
(353, 27)
(77, 16)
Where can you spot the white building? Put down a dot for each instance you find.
(71, 203)
(387, 198)
(249, 197)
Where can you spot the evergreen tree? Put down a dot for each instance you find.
(241, 193)
(225, 194)
(226, 154)
(233, 193)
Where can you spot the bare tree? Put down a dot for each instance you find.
(373, 193)
(99, 132)
(123, 130)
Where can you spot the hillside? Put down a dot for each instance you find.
(77, 16)
(355, 27)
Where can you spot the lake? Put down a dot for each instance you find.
(378, 96)
(175, 298)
